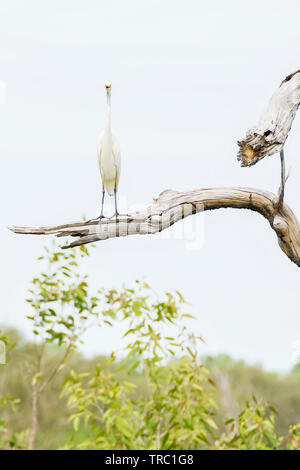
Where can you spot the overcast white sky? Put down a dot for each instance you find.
(188, 79)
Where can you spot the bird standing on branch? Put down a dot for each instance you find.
(109, 158)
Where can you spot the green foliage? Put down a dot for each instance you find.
(156, 392)
(10, 440)
(59, 298)
(254, 429)
(177, 408)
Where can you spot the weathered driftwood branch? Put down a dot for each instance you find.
(269, 135)
(172, 206)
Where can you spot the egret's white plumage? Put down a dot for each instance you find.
(109, 162)
(109, 156)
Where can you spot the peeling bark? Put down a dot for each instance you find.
(270, 133)
(172, 206)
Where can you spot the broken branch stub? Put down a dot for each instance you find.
(270, 133)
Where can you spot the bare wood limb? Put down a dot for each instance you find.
(172, 206)
(283, 180)
(34, 413)
(54, 371)
(270, 133)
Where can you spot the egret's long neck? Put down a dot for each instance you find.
(107, 126)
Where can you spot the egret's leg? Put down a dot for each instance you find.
(101, 216)
(116, 207)
(102, 204)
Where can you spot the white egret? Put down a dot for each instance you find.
(109, 157)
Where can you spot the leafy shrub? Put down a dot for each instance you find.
(154, 393)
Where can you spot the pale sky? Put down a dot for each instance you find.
(188, 79)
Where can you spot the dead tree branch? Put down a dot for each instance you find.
(172, 206)
(266, 138)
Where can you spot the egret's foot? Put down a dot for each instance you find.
(116, 215)
(97, 219)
